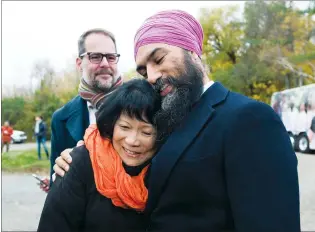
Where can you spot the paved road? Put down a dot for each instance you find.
(26, 146)
(306, 169)
(22, 201)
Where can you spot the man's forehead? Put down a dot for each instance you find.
(98, 42)
(145, 51)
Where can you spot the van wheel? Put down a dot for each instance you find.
(303, 144)
(293, 143)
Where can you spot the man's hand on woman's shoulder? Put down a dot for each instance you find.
(63, 162)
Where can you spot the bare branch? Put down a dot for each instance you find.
(287, 65)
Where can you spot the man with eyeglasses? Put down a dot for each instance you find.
(97, 62)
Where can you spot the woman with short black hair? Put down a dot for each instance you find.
(105, 190)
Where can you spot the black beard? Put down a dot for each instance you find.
(187, 89)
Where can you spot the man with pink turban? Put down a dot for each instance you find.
(227, 163)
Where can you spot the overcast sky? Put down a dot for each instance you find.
(49, 30)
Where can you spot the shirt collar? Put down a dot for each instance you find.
(206, 86)
(89, 105)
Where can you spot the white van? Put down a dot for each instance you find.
(296, 108)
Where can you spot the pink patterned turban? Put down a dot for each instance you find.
(173, 27)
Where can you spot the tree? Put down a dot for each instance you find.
(13, 109)
(268, 50)
(43, 73)
(51, 92)
(222, 36)
(130, 74)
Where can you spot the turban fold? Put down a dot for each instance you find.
(173, 27)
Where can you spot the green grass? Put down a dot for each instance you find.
(24, 161)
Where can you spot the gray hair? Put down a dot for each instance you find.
(81, 41)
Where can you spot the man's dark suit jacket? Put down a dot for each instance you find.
(68, 126)
(230, 167)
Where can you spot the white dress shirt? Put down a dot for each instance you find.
(92, 112)
(206, 86)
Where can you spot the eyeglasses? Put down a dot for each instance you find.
(97, 57)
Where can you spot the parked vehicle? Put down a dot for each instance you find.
(18, 136)
(296, 108)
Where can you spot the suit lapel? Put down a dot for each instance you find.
(175, 146)
(78, 119)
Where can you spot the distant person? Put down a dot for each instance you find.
(311, 131)
(277, 106)
(40, 133)
(311, 104)
(6, 132)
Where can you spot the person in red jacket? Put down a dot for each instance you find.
(6, 132)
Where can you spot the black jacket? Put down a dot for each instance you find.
(230, 167)
(74, 204)
(42, 130)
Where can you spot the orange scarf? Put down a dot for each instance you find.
(111, 179)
